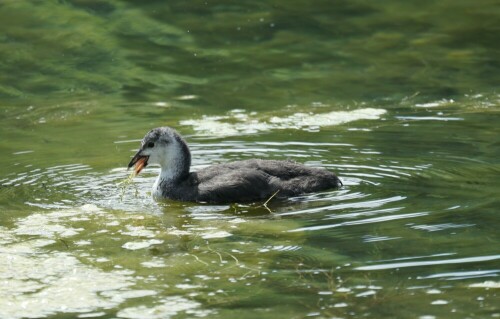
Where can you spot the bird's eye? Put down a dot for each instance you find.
(151, 144)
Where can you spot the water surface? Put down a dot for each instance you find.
(400, 99)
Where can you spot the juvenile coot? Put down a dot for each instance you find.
(240, 181)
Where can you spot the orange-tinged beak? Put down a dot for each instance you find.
(139, 162)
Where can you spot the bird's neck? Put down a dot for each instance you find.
(175, 165)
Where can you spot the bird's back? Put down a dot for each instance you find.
(253, 180)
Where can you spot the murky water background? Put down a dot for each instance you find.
(399, 98)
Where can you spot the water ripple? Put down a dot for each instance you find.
(430, 263)
(463, 275)
(360, 222)
(355, 204)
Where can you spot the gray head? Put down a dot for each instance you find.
(165, 147)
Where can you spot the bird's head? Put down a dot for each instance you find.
(162, 146)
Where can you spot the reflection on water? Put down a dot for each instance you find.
(111, 247)
(238, 122)
(40, 282)
(398, 97)
(436, 262)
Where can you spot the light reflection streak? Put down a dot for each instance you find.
(462, 274)
(360, 222)
(366, 204)
(430, 263)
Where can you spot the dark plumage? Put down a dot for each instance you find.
(240, 181)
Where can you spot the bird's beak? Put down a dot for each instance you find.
(139, 161)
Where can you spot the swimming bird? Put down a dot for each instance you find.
(235, 182)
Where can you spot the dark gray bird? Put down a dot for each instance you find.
(235, 182)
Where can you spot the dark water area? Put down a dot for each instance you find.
(400, 99)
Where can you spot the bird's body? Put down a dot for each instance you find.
(246, 181)
(240, 181)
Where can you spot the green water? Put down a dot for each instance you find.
(399, 98)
